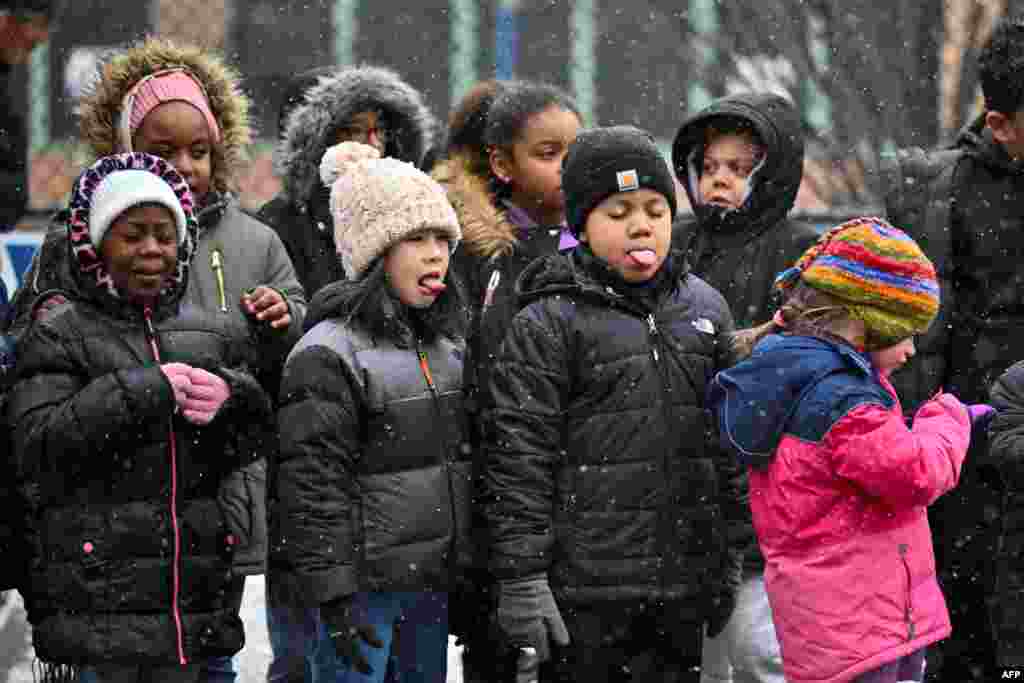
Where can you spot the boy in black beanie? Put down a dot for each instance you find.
(606, 503)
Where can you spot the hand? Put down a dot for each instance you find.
(337, 616)
(204, 396)
(267, 305)
(980, 412)
(179, 375)
(719, 612)
(529, 620)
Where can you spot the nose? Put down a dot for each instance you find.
(182, 162)
(149, 245)
(437, 248)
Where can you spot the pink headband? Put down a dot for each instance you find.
(168, 85)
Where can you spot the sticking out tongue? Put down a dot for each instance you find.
(643, 257)
(433, 284)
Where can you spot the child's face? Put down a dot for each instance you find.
(140, 250)
(416, 267)
(892, 358)
(177, 133)
(729, 160)
(631, 232)
(366, 127)
(533, 165)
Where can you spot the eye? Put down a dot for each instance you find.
(200, 152)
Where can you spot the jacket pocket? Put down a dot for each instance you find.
(242, 502)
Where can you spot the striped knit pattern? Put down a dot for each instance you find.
(878, 271)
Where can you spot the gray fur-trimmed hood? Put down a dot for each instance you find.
(333, 101)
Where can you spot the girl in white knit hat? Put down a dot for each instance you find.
(131, 409)
(372, 482)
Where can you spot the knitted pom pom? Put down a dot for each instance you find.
(338, 160)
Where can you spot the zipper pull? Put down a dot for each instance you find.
(654, 336)
(217, 266)
(426, 370)
(492, 285)
(147, 317)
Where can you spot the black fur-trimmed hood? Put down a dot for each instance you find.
(333, 101)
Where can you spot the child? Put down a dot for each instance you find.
(184, 105)
(373, 476)
(132, 408)
(364, 104)
(742, 158)
(506, 143)
(839, 485)
(603, 499)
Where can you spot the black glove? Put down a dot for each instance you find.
(529, 620)
(720, 609)
(338, 618)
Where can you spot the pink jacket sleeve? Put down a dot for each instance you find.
(873, 448)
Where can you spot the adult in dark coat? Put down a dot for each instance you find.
(965, 207)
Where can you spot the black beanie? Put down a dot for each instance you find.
(603, 161)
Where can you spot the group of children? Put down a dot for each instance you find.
(513, 410)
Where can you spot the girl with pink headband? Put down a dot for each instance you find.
(183, 104)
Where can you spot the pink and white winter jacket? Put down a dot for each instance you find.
(839, 489)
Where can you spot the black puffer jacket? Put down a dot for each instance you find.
(300, 214)
(600, 471)
(740, 252)
(1006, 443)
(130, 538)
(371, 489)
(251, 255)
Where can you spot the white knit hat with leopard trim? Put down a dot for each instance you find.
(376, 203)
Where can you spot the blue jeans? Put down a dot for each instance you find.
(296, 637)
(414, 652)
(219, 670)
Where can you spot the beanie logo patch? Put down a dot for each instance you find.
(628, 180)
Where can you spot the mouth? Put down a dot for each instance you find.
(723, 202)
(432, 284)
(642, 257)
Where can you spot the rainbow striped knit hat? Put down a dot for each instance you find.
(878, 272)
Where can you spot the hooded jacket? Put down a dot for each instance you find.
(250, 254)
(132, 545)
(371, 486)
(300, 214)
(599, 472)
(839, 489)
(740, 252)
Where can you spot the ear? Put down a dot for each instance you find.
(501, 164)
(1002, 127)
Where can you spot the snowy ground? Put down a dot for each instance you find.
(16, 654)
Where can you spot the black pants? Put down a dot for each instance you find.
(610, 643)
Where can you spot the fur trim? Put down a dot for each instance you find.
(333, 101)
(486, 230)
(100, 108)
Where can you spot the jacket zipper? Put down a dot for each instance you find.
(176, 567)
(655, 335)
(909, 608)
(429, 377)
(217, 266)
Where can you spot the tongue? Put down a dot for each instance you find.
(435, 285)
(644, 257)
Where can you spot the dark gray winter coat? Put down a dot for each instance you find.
(371, 486)
(600, 471)
(300, 214)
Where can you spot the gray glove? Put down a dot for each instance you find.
(529, 618)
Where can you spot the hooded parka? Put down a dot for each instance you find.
(133, 553)
(300, 214)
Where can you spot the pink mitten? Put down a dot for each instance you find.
(179, 375)
(206, 395)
